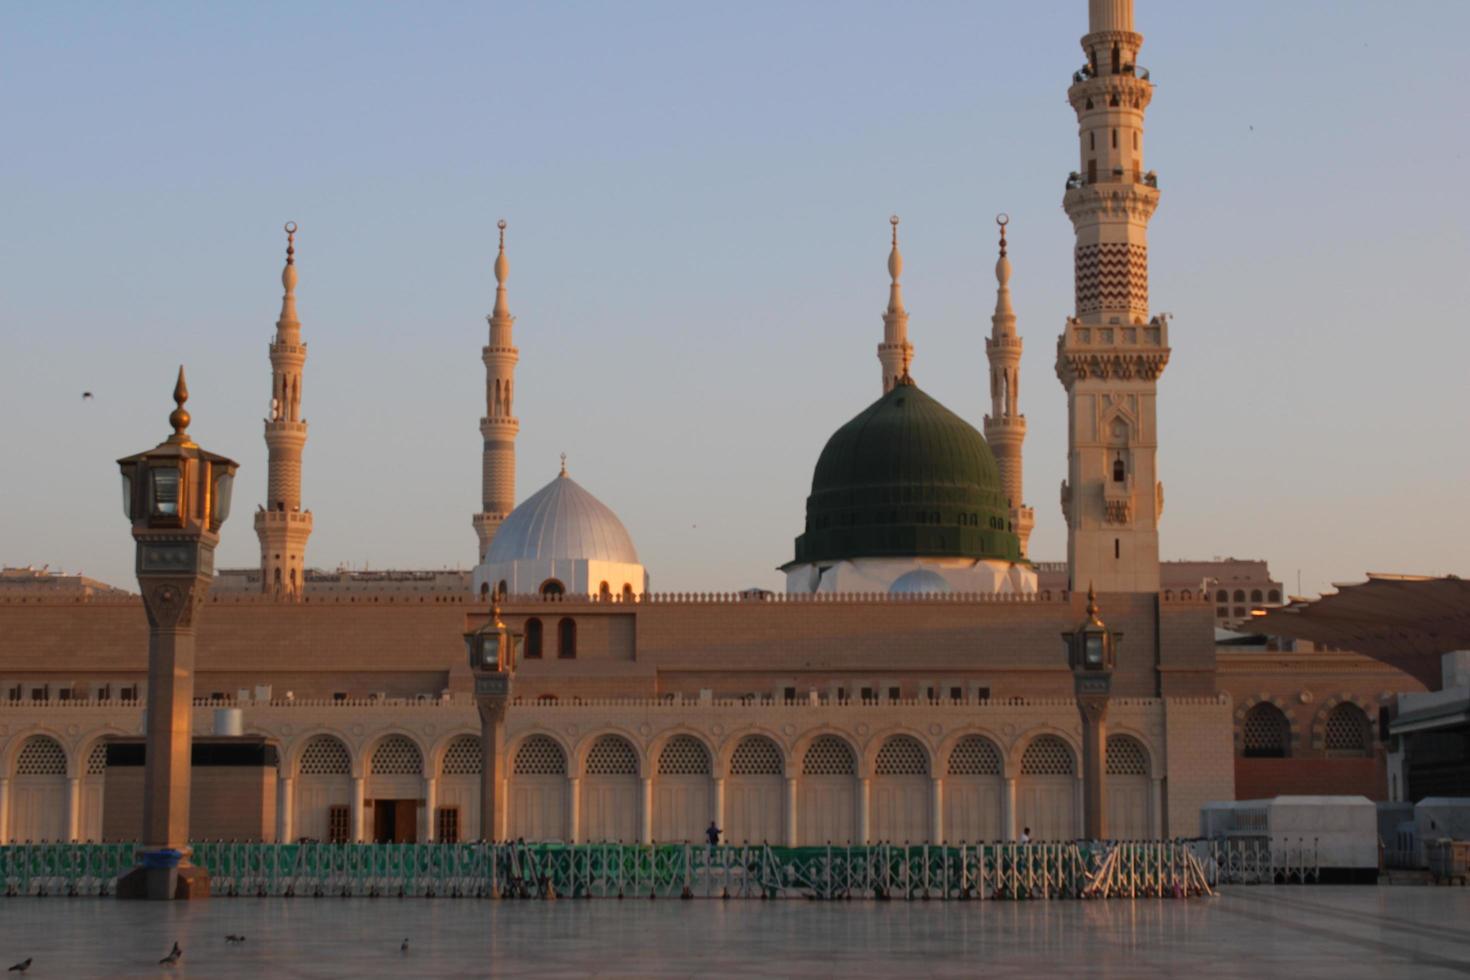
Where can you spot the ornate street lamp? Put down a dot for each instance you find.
(492, 651)
(176, 495)
(1092, 651)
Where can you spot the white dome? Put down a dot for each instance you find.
(562, 521)
(921, 581)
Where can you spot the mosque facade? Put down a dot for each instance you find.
(911, 683)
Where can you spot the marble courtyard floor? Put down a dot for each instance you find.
(1253, 932)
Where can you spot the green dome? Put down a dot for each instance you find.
(907, 478)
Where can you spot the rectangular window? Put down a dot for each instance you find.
(894, 694)
(339, 824)
(842, 695)
(1092, 171)
(957, 694)
(339, 695)
(869, 696)
(982, 694)
(789, 694)
(17, 692)
(129, 693)
(446, 825)
(931, 694)
(63, 694)
(104, 692)
(39, 694)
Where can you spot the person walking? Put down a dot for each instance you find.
(1025, 835)
(712, 834)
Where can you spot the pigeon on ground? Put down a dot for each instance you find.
(21, 967)
(174, 955)
(403, 948)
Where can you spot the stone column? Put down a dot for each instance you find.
(73, 809)
(430, 832)
(717, 804)
(1008, 828)
(492, 736)
(645, 822)
(286, 809)
(574, 809)
(359, 833)
(790, 811)
(170, 723)
(1156, 805)
(1093, 812)
(4, 809)
(864, 810)
(936, 818)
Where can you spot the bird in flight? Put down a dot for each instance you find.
(404, 947)
(21, 967)
(232, 938)
(86, 396)
(174, 955)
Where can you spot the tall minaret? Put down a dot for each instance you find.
(1111, 354)
(1005, 426)
(281, 525)
(895, 353)
(499, 426)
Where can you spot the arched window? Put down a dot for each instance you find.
(627, 591)
(552, 589)
(484, 589)
(1265, 733)
(540, 755)
(1348, 731)
(1119, 473)
(1255, 595)
(1117, 59)
(533, 639)
(1240, 595)
(829, 756)
(604, 592)
(1048, 755)
(502, 589)
(566, 638)
(902, 755)
(1222, 596)
(1274, 595)
(1126, 756)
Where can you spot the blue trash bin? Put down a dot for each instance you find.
(164, 860)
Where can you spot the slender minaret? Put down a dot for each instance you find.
(281, 525)
(499, 426)
(895, 353)
(1111, 354)
(1005, 426)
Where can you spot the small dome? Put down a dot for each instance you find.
(921, 581)
(907, 478)
(562, 521)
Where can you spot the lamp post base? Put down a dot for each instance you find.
(164, 876)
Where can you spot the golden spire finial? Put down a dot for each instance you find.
(563, 464)
(502, 267)
(895, 258)
(179, 417)
(1002, 219)
(1092, 607)
(288, 276)
(502, 273)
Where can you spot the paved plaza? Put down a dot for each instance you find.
(1258, 932)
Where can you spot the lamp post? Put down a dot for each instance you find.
(1092, 651)
(176, 495)
(492, 653)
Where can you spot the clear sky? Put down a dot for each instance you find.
(698, 197)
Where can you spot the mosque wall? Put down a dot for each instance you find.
(910, 769)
